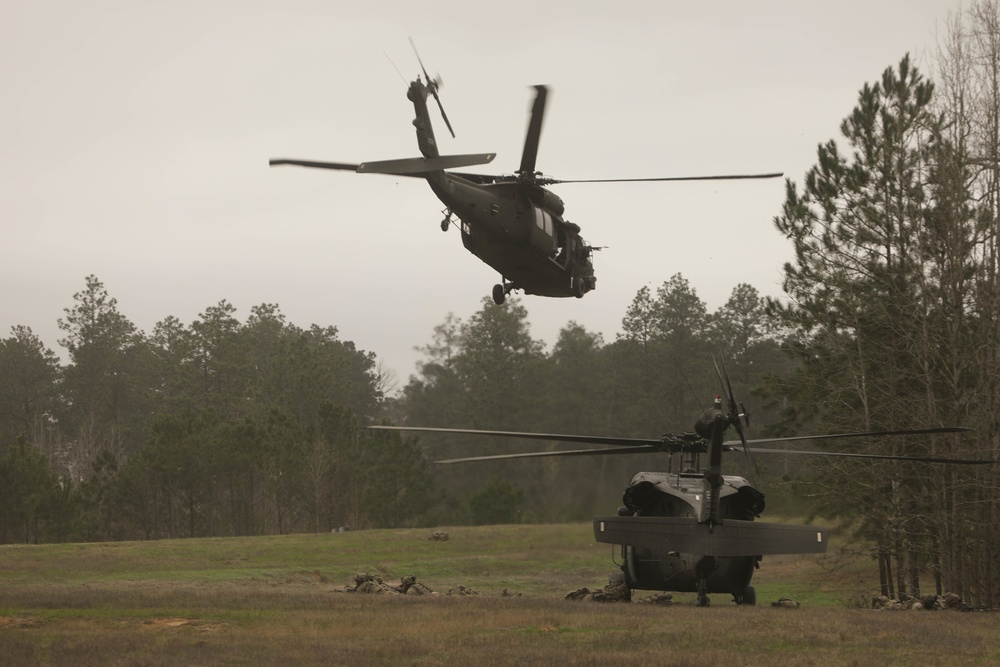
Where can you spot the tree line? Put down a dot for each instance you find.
(894, 306)
(890, 320)
(219, 427)
(223, 427)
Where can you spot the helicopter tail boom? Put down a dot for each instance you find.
(730, 538)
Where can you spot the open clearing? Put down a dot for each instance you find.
(280, 601)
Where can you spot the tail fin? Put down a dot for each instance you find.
(425, 131)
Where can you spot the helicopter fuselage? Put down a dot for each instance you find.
(515, 227)
(683, 495)
(528, 243)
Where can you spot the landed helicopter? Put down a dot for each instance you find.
(694, 530)
(513, 223)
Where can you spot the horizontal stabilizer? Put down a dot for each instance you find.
(420, 165)
(730, 538)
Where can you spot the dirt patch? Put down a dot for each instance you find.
(167, 622)
(170, 623)
(20, 621)
(307, 577)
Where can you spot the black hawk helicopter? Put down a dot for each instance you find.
(513, 223)
(694, 530)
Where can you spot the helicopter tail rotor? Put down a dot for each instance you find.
(433, 83)
(738, 415)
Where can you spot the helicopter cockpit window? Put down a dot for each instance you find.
(544, 221)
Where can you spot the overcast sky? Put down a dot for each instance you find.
(134, 140)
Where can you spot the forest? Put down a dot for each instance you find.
(890, 319)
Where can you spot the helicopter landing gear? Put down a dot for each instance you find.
(579, 287)
(501, 291)
(447, 220)
(703, 600)
(748, 597)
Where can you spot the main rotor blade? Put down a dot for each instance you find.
(315, 165)
(556, 437)
(885, 457)
(650, 445)
(730, 177)
(869, 434)
(641, 449)
(530, 151)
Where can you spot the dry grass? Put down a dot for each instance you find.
(275, 601)
(382, 630)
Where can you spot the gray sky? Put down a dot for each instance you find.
(135, 138)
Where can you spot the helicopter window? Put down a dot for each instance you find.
(544, 221)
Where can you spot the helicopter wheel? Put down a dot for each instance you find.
(579, 288)
(703, 600)
(499, 294)
(748, 597)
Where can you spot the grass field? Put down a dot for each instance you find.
(280, 601)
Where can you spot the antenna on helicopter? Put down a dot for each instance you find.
(394, 66)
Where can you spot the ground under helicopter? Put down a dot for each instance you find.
(511, 222)
(694, 530)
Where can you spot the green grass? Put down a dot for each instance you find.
(279, 601)
(490, 558)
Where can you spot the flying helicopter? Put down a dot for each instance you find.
(513, 222)
(692, 528)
